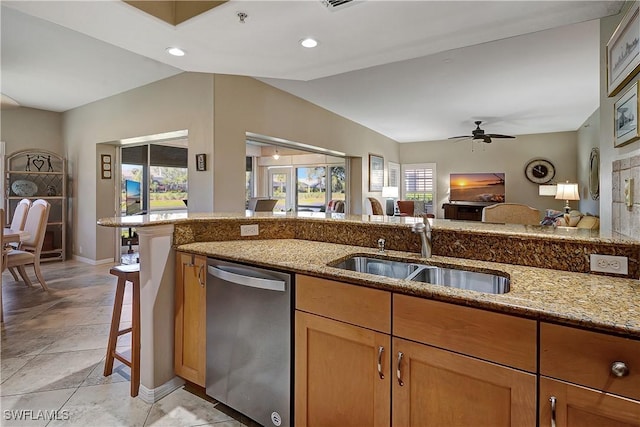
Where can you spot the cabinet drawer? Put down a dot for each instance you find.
(500, 338)
(586, 358)
(366, 307)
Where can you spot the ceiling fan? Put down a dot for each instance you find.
(478, 134)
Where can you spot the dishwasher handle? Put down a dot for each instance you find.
(246, 279)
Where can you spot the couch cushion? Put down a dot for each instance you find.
(591, 222)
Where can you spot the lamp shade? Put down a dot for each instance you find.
(390, 192)
(547, 190)
(567, 191)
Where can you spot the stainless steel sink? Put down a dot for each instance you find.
(462, 279)
(381, 267)
(444, 276)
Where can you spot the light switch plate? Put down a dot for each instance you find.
(609, 264)
(249, 230)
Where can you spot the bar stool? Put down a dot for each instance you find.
(131, 274)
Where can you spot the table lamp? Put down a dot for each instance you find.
(390, 193)
(567, 191)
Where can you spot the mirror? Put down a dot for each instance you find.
(594, 174)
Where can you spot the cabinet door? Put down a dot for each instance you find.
(433, 387)
(577, 406)
(190, 317)
(337, 377)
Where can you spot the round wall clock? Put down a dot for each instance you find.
(539, 171)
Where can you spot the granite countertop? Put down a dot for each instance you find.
(601, 303)
(547, 232)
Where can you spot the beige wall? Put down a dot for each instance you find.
(24, 128)
(502, 155)
(244, 104)
(614, 216)
(180, 102)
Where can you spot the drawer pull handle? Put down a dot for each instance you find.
(619, 369)
(380, 351)
(552, 399)
(398, 373)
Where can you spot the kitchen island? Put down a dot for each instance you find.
(546, 267)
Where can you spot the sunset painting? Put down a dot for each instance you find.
(477, 187)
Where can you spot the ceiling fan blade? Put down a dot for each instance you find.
(497, 135)
(462, 136)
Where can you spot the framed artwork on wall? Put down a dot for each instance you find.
(394, 175)
(376, 172)
(623, 51)
(625, 113)
(105, 163)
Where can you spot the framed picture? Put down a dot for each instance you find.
(105, 166)
(201, 162)
(394, 175)
(376, 172)
(625, 113)
(623, 51)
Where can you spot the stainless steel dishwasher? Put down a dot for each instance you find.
(249, 340)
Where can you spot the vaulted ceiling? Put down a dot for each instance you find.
(411, 70)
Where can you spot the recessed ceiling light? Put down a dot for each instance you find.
(175, 51)
(309, 42)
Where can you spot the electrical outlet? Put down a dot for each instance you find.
(249, 230)
(609, 264)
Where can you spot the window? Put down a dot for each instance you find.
(311, 186)
(418, 183)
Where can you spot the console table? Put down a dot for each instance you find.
(464, 211)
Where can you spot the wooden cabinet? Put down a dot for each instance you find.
(40, 174)
(462, 211)
(342, 370)
(593, 377)
(342, 374)
(190, 317)
(343, 361)
(434, 387)
(577, 406)
(448, 374)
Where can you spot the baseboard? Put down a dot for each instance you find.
(93, 261)
(153, 395)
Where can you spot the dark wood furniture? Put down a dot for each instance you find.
(464, 211)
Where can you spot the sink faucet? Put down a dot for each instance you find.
(381, 243)
(424, 230)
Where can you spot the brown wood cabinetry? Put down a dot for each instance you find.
(604, 370)
(435, 387)
(190, 317)
(344, 361)
(462, 211)
(342, 370)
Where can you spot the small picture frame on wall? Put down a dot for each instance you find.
(625, 113)
(376, 172)
(201, 162)
(623, 51)
(105, 162)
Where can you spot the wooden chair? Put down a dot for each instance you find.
(20, 215)
(376, 206)
(29, 252)
(406, 207)
(511, 213)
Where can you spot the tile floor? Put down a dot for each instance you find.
(52, 357)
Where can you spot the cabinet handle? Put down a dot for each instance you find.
(398, 373)
(552, 399)
(380, 351)
(619, 369)
(200, 271)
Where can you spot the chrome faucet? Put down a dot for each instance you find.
(424, 230)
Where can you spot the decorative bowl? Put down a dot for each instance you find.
(24, 188)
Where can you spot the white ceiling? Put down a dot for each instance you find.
(411, 70)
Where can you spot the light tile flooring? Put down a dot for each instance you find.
(53, 352)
